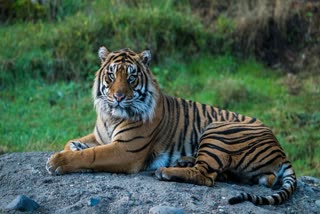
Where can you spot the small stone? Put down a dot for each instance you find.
(93, 202)
(318, 203)
(23, 203)
(149, 202)
(165, 210)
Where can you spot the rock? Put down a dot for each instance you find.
(310, 179)
(93, 202)
(165, 210)
(318, 203)
(305, 187)
(23, 203)
(25, 173)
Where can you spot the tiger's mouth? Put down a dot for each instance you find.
(123, 104)
(139, 107)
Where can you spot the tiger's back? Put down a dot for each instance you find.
(140, 128)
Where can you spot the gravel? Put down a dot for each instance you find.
(25, 174)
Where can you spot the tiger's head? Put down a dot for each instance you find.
(124, 87)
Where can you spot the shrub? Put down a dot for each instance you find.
(67, 49)
(276, 32)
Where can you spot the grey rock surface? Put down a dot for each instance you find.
(165, 210)
(25, 174)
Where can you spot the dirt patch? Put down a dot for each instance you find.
(25, 174)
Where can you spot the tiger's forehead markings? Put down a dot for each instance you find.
(123, 60)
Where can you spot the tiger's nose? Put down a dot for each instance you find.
(119, 96)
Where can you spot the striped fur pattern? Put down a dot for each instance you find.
(140, 128)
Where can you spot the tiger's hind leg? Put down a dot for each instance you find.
(211, 162)
(194, 175)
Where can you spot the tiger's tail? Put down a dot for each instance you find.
(289, 184)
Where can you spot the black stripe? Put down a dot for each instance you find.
(213, 113)
(212, 155)
(198, 118)
(236, 130)
(252, 149)
(140, 149)
(171, 153)
(266, 163)
(249, 197)
(276, 151)
(99, 134)
(185, 109)
(227, 115)
(287, 167)
(129, 140)
(180, 142)
(256, 155)
(259, 200)
(213, 146)
(232, 141)
(94, 155)
(204, 110)
(286, 191)
(208, 167)
(276, 199)
(235, 117)
(127, 129)
(253, 120)
(265, 200)
(99, 79)
(221, 114)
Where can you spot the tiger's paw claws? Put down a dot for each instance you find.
(56, 163)
(161, 175)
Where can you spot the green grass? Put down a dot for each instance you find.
(38, 116)
(42, 117)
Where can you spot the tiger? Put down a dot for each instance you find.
(140, 128)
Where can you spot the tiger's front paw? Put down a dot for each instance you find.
(60, 163)
(161, 174)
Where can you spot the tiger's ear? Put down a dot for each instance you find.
(103, 53)
(145, 57)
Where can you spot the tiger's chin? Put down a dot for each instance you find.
(133, 114)
(122, 113)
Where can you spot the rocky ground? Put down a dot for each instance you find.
(25, 174)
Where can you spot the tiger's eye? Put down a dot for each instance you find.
(132, 78)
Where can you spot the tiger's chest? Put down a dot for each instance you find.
(160, 147)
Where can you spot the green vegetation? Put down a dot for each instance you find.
(207, 51)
